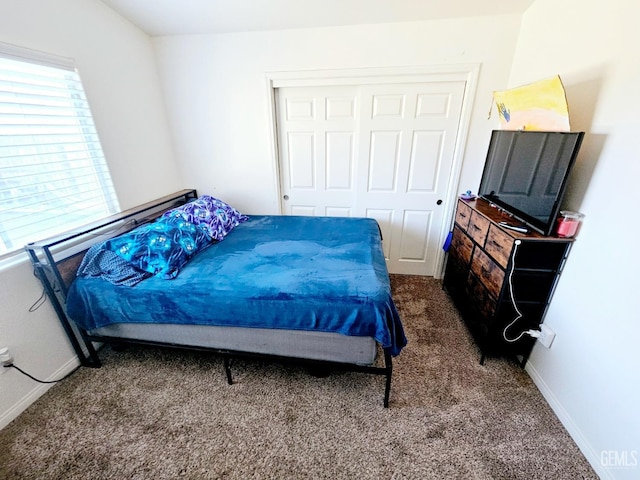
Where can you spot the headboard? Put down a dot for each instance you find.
(56, 259)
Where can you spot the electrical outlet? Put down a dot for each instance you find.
(5, 359)
(546, 336)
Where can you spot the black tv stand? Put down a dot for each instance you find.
(484, 258)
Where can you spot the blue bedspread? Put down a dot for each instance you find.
(286, 272)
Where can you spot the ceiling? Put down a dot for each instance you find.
(184, 17)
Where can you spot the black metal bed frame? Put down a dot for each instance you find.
(56, 260)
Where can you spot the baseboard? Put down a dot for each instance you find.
(39, 389)
(574, 431)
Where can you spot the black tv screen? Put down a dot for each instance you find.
(526, 174)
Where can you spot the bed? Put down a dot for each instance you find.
(313, 290)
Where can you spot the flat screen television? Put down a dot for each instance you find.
(526, 174)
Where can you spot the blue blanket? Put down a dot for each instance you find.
(284, 272)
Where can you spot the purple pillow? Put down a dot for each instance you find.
(216, 217)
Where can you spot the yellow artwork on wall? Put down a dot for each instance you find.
(541, 106)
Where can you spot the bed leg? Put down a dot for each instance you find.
(388, 363)
(227, 369)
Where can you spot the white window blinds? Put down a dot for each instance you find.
(53, 174)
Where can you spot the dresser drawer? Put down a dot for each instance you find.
(461, 246)
(478, 227)
(499, 245)
(483, 303)
(463, 214)
(489, 273)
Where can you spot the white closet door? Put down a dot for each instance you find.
(317, 129)
(379, 151)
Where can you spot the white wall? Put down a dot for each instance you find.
(216, 91)
(590, 374)
(117, 65)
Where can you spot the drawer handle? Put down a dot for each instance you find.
(475, 227)
(462, 215)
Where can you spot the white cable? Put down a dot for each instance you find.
(513, 299)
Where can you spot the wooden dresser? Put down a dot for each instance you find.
(484, 261)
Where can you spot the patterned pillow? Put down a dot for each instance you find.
(103, 263)
(215, 216)
(162, 247)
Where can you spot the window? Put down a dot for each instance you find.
(53, 174)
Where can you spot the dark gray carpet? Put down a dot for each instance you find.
(165, 414)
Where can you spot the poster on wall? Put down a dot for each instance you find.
(540, 106)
